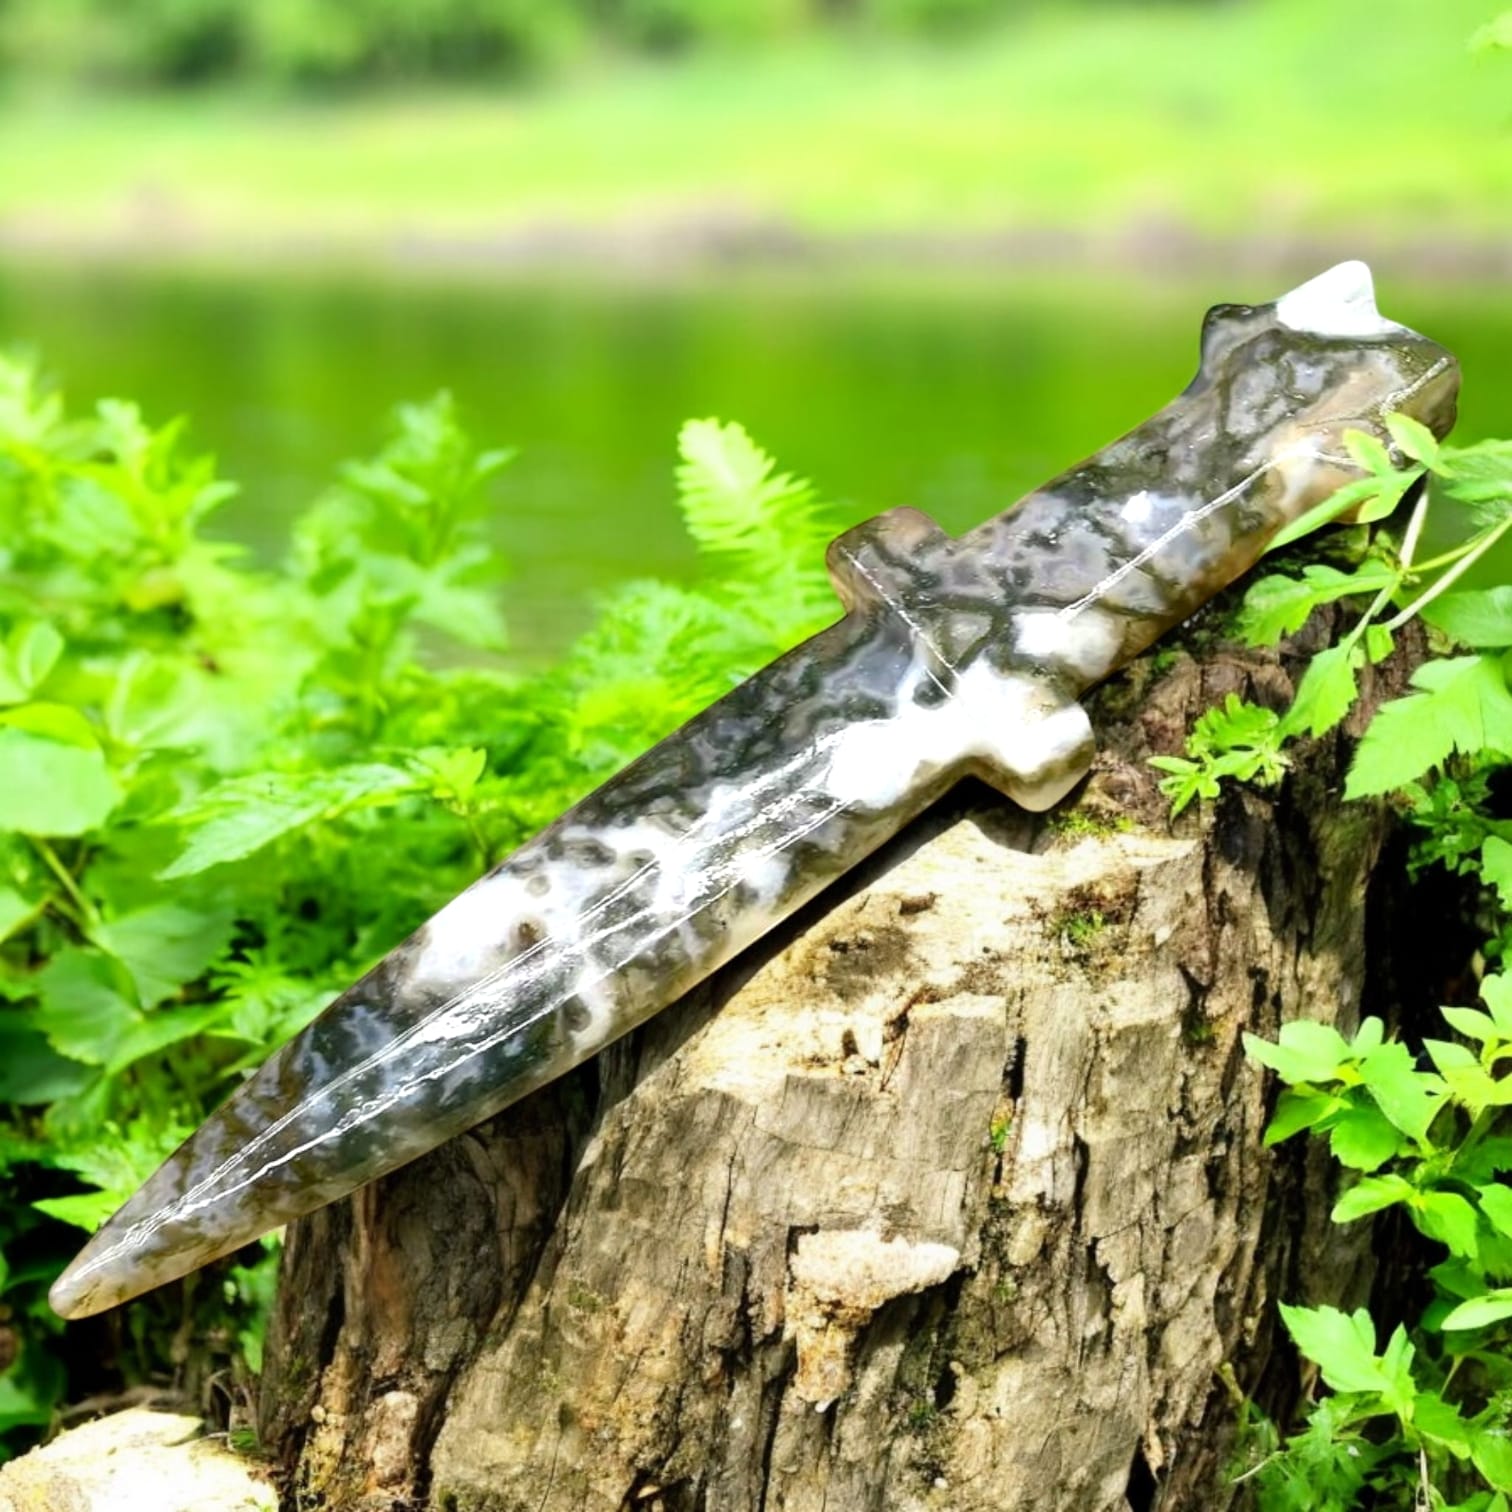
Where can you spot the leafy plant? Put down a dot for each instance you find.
(1423, 1420)
(225, 792)
(1462, 706)
(325, 42)
(1428, 1417)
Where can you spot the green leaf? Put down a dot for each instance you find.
(1457, 1278)
(1378, 644)
(1370, 1195)
(59, 722)
(1462, 1072)
(1232, 725)
(1414, 439)
(1492, 1454)
(1496, 1204)
(1368, 452)
(1483, 1160)
(1396, 1368)
(1465, 1077)
(28, 655)
(1486, 462)
(1300, 1108)
(165, 945)
(86, 1210)
(156, 704)
(84, 1011)
(1342, 1346)
(1370, 498)
(148, 1034)
(1279, 606)
(1234, 740)
(452, 775)
(49, 788)
(123, 1156)
(1350, 496)
(243, 814)
(1474, 617)
(31, 1071)
(1464, 706)
(1273, 608)
(21, 1407)
(87, 1016)
(1449, 1218)
(1325, 695)
(1441, 1422)
(734, 501)
(1496, 994)
(1496, 867)
(1408, 1097)
(1403, 741)
(1305, 1051)
(1363, 1138)
(14, 911)
(1188, 781)
(1471, 1022)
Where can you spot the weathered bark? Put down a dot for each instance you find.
(955, 1198)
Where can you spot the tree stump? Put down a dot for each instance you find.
(952, 1197)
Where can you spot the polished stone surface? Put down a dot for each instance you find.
(955, 656)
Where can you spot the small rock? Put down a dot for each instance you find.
(135, 1461)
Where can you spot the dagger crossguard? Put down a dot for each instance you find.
(960, 706)
(954, 656)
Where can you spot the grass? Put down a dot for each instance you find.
(1274, 118)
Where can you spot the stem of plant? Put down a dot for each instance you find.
(480, 842)
(1410, 538)
(87, 915)
(1446, 557)
(1412, 533)
(1457, 571)
(1479, 1128)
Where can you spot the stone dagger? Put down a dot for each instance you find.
(954, 656)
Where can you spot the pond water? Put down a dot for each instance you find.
(956, 394)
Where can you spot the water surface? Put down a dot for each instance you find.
(954, 393)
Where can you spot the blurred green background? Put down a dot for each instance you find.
(928, 250)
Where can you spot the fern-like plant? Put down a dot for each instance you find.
(224, 793)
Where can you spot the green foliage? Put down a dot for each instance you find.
(225, 792)
(1237, 740)
(1383, 487)
(1463, 706)
(1430, 1416)
(339, 41)
(1458, 721)
(1425, 1421)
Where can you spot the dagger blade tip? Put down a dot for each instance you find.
(74, 1294)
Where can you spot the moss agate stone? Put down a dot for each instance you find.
(954, 656)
